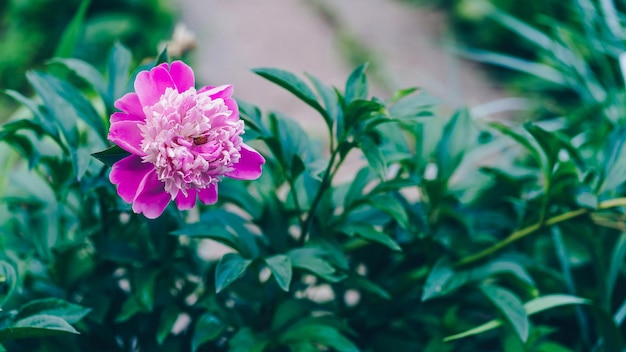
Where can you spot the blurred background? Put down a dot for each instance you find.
(569, 48)
(406, 43)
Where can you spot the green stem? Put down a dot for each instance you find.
(519, 234)
(329, 173)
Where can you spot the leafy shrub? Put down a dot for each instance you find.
(451, 234)
(30, 31)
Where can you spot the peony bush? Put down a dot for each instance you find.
(410, 230)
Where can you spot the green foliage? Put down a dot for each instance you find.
(412, 231)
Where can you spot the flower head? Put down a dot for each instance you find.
(182, 141)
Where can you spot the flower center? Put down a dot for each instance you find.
(191, 139)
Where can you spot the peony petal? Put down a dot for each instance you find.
(224, 92)
(232, 106)
(182, 75)
(130, 105)
(249, 165)
(128, 175)
(152, 199)
(188, 202)
(209, 194)
(161, 79)
(145, 89)
(126, 135)
(122, 116)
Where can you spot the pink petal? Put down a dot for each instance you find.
(128, 175)
(182, 75)
(145, 89)
(130, 105)
(232, 106)
(224, 92)
(209, 194)
(152, 199)
(249, 165)
(188, 202)
(161, 79)
(126, 135)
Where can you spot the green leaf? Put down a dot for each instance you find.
(318, 333)
(225, 227)
(305, 259)
(534, 306)
(356, 86)
(616, 265)
(615, 162)
(63, 115)
(131, 306)
(362, 178)
(40, 117)
(511, 308)
(439, 280)
(8, 279)
(72, 32)
(369, 232)
(280, 265)
(374, 156)
(40, 325)
(88, 73)
(288, 311)
(70, 312)
(246, 340)
(230, 267)
(412, 108)
(118, 70)
(208, 328)
(330, 100)
(111, 155)
(458, 137)
(293, 84)
(168, 318)
(391, 205)
(162, 58)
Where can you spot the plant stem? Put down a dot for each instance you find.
(329, 173)
(519, 234)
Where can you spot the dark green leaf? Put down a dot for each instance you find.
(330, 100)
(374, 156)
(616, 264)
(511, 308)
(246, 340)
(370, 233)
(293, 84)
(39, 115)
(169, 315)
(230, 267)
(131, 306)
(280, 265)
(439, 279)
(72, 32)
(88, 73)
(317, 333)
(162, 58)
(40, 325)
(111, 155)
(117, 70)
(391, 205)
(70, 312)
(458, 137)
(615, 162)
(304, 259)
(356, 86)
(8, 279)
(534, 306)
(208, 328)
(362, 178)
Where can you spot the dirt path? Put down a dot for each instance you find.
(404, 42)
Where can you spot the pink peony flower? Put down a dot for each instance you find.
(182, 141)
